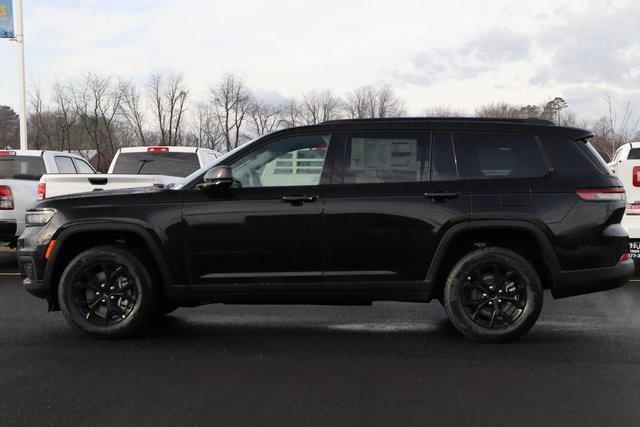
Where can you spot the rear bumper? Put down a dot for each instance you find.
(8, 231)
(578, 282)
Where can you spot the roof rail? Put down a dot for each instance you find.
(533, 121)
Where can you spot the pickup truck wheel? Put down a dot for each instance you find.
(493, 295)
(106, 291)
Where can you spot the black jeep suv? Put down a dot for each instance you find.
(479, 214)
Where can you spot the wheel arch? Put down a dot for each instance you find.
(76, 238)
(462, 238)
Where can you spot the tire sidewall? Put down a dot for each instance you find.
(145, 303)
(453, 301)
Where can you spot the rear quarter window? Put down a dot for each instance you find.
(496, 156)
(594, 157)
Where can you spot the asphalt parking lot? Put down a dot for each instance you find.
(390, 363)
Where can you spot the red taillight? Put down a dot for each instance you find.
(158, 149)
(602, 194)
(636, 176)
(7, 153)
(42, 190)
(625, 257)
(6, 198)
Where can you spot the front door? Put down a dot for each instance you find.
(383, 221)
(264, 233)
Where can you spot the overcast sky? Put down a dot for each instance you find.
(453, 52)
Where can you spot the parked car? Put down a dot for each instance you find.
(133, 167)
(481, 214)
(625, 164)
(20, 171)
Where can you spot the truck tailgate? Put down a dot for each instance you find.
(62, 184)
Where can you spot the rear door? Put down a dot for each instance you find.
(383, 217)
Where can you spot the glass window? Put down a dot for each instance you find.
(378, 159)
(157, 163)
(21, 167)
(494, 156)
(82, 166)
(64, 164)
(634, 154)
(291, 161)
(594, 157)
(443, 166)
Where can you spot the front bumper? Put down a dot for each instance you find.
(578, 282)
(32, 273)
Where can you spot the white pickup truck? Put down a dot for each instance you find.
(625, 164)
(20, 171)
(133, 167)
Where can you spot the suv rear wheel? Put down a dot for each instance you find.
(106, 291)
(492, 295)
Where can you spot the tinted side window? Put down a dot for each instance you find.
(379, 159)
(82, 166)
(443, 159)
(594, 157)
(64, 164)
(492, 156)
(290, 161)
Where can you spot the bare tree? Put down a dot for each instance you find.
(291, 112)
(132, 110)
(442, 111)
(615, 129)
(264, 118)
(232, 103)
(206, 128)
(320, 106)
(168, 94)
(499, 110)
(41, 120)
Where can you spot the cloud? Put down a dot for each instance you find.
(487, 52)
(596, 46)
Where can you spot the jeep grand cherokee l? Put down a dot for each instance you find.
(481, 214)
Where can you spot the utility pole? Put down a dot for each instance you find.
(19, 38)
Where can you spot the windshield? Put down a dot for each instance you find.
(171, 163)
(219, 161)
(21, 167)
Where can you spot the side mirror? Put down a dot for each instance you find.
(219, 177)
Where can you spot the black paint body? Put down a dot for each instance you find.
(354, 243)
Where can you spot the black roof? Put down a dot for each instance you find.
(533, 121)
(539, 126)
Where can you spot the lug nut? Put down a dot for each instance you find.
(499, 300)
(113, 297)
(484, 295)
(104, 300)
(490, 303)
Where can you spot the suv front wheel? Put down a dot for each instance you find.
(492, 295)
(107, 291)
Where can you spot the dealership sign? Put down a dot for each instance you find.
(6, 20)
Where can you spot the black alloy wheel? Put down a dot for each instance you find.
(105, 293)
(493, 294)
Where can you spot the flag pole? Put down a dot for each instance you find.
(19, 37)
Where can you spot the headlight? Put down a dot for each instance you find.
(38, 217)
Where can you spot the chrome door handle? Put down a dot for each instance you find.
(299, 200)
(441, 195)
